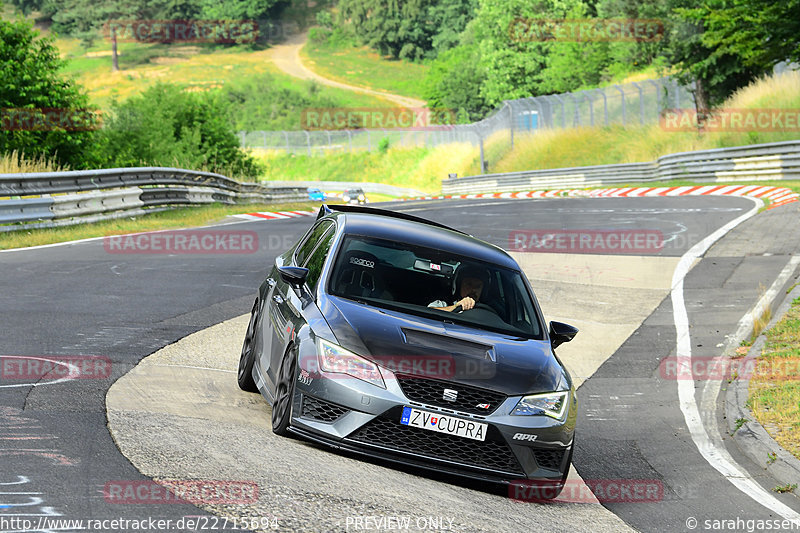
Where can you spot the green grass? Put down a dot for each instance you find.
(196, 68)
(363, 67)
(184, 217)
(418, 168)
(775, 385)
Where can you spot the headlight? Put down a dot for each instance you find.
(335, 359)
(552, 404)
(360, 196)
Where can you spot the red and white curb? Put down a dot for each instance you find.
(275, 215)
(777, 195)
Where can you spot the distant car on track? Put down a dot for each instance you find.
(354, 195)
(316, 195)
(356, 341)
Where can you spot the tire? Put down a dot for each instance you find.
(282, 406)
(246, 360)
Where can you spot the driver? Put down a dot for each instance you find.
(470, 281)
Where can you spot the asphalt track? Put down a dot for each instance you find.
(78, 299)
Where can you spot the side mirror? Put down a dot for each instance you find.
(294, 276)
(561, 333)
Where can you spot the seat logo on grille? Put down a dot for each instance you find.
(450, 395)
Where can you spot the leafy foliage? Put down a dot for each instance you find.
(167, 127)
(31, 81)
(409, 29)
(263, 104)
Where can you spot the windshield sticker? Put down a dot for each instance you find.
(362, 262)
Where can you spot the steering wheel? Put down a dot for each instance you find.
(479, 305)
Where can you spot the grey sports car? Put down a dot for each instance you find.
(389, 335)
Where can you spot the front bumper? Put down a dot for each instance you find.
(350, 414)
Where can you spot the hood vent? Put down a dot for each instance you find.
(450, 345)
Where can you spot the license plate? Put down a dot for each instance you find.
(443, 424)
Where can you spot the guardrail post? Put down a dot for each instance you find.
(350, 140)
(242, 135)
(286, 135)
(308, 142)
(264, 139)
(330, 147)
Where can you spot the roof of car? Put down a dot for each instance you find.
(423, 234)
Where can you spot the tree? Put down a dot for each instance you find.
(759, 32)
(513, 53)
(408, 29)
(715, 71)
(43, 113)
(167, 127)
(454, 81)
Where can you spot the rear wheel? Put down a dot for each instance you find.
(246, 360)
(282, 407)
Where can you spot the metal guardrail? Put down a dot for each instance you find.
(760, 162)
(61, 198)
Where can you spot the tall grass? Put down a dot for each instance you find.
(629, 144)
(16, 162)
(418, 168)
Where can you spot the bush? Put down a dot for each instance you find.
(167, 127)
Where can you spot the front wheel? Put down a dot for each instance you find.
(282, 407)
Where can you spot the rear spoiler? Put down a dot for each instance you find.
(344, 208)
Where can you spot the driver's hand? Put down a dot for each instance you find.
(466, 303)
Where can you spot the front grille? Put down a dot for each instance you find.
(489, 454)
(550, 459)
(321, 410)
(431, 392)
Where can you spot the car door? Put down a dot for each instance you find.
(282, 310)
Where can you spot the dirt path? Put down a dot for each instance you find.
(286, 57)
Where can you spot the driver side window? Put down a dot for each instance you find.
(317, 259)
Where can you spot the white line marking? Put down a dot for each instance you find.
(717, 457)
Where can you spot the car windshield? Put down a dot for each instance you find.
(418, 280)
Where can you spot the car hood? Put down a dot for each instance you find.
(411, 344)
